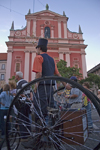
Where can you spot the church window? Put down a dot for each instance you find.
(3, 66)
(47, 32)
(17, 67)
(2, 76)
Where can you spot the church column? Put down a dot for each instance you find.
(59, 29)
(34, 27)
(26, 67)
(65, 29)
(61, 56)
(33, 73)
(67, 59)
(84, 65)
(28, 27)
(8, 67)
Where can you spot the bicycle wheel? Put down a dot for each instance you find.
(14, 141)
(51, 124)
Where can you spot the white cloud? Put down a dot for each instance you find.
(3, 48)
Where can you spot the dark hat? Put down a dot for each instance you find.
(73, 78)
(42, 42)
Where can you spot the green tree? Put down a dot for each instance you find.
(93, 79)
(67, 72)
(13, 78)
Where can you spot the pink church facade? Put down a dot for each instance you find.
(62, 43)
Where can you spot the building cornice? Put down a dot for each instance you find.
(30, 37)
(94, 69)
(13, 43)
(66, 45)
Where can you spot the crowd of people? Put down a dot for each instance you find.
(7, 95)
(78, 100)
(5, 101)
(43, 65)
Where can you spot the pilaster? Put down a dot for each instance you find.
(28, 27)
(52, 32)
(65, 29)
(59, 29)
(34, 27)
(61, 56)
(33, 56)
(67, 58)
(84, 64)
(9, 61)
(26, 68)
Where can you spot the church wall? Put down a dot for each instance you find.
(74, 49)
(72, 35)
(38, 27)
(55, 24)
(17, 58)
(61, 39)
(55, 55)
(18, 47)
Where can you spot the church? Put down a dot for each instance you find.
(62, 43)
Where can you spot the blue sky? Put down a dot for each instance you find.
(85, 13)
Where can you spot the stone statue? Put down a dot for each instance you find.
(47, 7)
(64, 13)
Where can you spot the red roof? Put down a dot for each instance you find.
(3, 56)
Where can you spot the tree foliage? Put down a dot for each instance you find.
(67, 72)
(13, 78)
(93, 79)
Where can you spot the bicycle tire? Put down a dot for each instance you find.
(62, 143)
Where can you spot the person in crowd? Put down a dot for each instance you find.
(64, 102)
(44, 65)
(1, 90)
(75, 97)
(5, 100)
(98, 94)
(23, 108)
(12, 85)
(87, 105)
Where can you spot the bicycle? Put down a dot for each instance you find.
(66, 128)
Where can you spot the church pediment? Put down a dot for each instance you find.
(46, 13)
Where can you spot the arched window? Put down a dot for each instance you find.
(47, 32)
